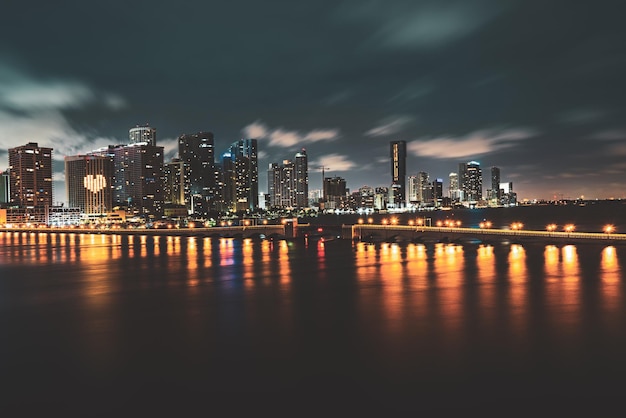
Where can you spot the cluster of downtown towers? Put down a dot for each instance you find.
(135, 177)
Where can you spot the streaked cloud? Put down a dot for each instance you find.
(468, 146)
(423, 24)
(390, 126)
(610, 135)
(23, 92)
(334, 162)
(281, 137)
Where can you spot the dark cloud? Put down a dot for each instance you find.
(533, 87)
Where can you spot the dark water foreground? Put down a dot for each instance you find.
(169, 326)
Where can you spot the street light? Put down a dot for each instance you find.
(569, 228)
(608, 229)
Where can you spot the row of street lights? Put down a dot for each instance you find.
(515, 226)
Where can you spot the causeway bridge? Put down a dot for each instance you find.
(398, 233)
(251, 231)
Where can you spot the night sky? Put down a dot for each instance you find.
(536, 88)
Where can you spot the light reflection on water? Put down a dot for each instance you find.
(384, 310)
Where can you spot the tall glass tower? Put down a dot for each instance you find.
(398, 172)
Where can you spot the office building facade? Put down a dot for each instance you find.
(89, 183)
(30, 176)
(398, 173)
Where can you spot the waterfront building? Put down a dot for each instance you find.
(5, 187)
(423, 192)
(302, 179)
(48, 215)
(412, 190)
(453, 187)
(142, 133)
(398, 173)
(139, 178)
(494, 193)
(176, 185)
(507, 196)
(241, 175)
(381, 196)
(30, 176)
(89, 183)
(197, 153)
(335, 191)
(288, 183)
(367, 197)
(471, 182)
(437, 192)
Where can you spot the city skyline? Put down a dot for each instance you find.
(534, 90)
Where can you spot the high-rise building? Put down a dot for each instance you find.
(398, 173)
(288, 185)
(175, 185)
(495, 184)
(139, 178)
(198, 154)
(335, 191)
(242, 179)
(423, 194)
(412, 192)
(367, 194)
(89, 183)
(437, 191)
(302, 179)
(30, 169)
(5, 187)
(453, 187)
(142, 133)
(471, 181)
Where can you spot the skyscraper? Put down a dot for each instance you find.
(453, 187)
(470, 176)
(288, 185)
(302, 179)
(30, 170)
(5, 187)
(398, 173)
(243, 176)
(197, 152)
(175, 185)
(139, 178)
(89, 183)
(142, 133)
(495, 184)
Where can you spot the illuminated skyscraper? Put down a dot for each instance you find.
(198, 154)
(495, 184)
(302, 179)
(175, 185)
(398, 173)
(453, 187)
(288, 185)
(470, 176)
(241, 175)
(5, 187)
(30, 172)
(89, 183)
(142, 133)
(139, 178)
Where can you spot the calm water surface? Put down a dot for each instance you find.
(113, 325)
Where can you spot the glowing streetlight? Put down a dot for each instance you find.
(360, 221)
(569, 228)
(516, 226)
(439, 223)
(385, 221)
(608, 229)
(411, 223)
(551, 227)
(370, 220)
(394, 221)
